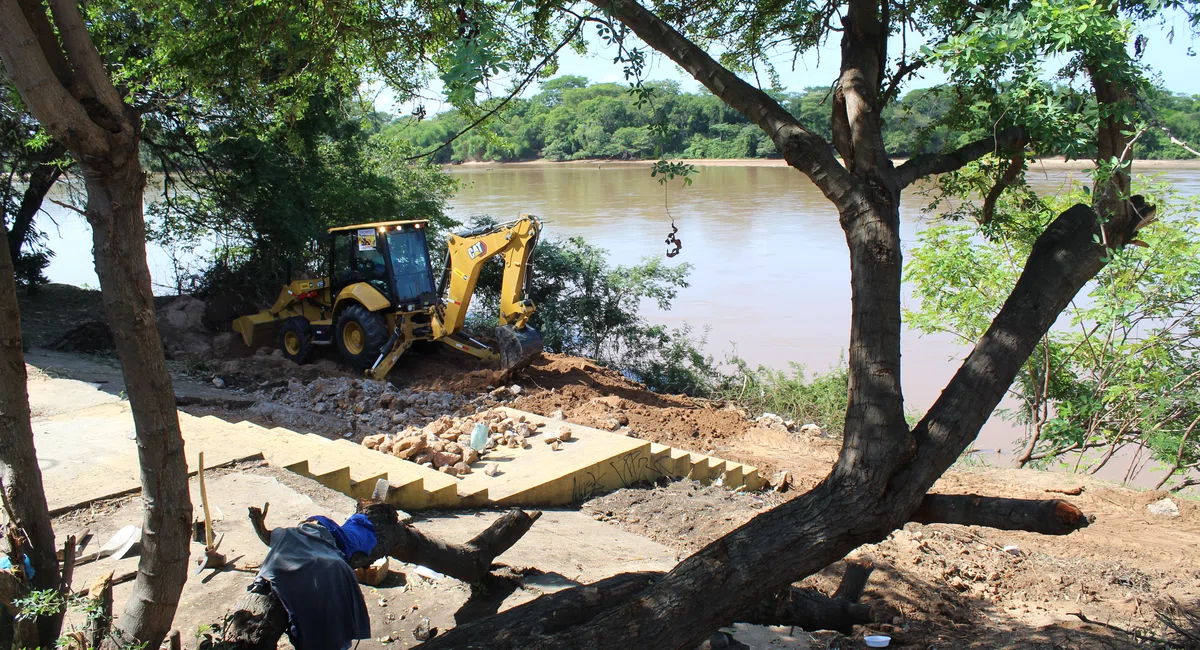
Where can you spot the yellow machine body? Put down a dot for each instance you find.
(351, 314)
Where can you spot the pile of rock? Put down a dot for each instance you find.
(445, 443)
(777, 423)
(372, 404)
(772, 421)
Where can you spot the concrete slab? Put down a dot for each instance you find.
(564, 542)
(210, 592)
(105, 373)
(592, 463)
(90, 454)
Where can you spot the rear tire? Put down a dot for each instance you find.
(296, 339)
(361, 335)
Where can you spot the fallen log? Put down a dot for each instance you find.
(1048, 517)
(260, 619)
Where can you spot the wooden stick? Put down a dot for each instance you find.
(208, 531)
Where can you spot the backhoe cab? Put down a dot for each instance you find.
(380, 296)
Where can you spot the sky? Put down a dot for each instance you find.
(1173, 59)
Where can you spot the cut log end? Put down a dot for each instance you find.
(1048, 517)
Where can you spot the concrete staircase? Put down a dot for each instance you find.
(340, 465)
(89, 453)
(592, 463)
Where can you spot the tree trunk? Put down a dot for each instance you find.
(61, 78)
(20, 475)
(114, 208)
(41, 179)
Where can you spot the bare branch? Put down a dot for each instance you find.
(902, 72)
(68, 206)
(1015, 166)
(1007, 140)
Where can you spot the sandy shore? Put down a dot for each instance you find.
(1045, 163)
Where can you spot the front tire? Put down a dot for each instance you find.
(361, 335)
(296, 339)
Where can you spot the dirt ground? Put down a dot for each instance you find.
(934, 586)
(547, 559)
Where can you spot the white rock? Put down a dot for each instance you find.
(1163, 508)
(515, 389)
(218, 382)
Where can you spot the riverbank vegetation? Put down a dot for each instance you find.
(1121, 369)
(572, 119)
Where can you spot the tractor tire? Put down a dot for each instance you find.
(296, 339)
(361, 335)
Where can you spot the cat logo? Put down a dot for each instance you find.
(477, 250)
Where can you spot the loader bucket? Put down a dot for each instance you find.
(518, 347)
(257, 330)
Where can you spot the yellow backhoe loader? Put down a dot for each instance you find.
(380, 296)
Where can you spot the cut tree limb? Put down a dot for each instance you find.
(1048, 517)
(260, 619)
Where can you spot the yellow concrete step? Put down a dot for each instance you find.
(751, 479)
(732, 476)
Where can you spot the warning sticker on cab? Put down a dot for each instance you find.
(366, 239)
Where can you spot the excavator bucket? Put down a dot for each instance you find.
(518, 347)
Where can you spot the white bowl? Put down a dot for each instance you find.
(878, 641)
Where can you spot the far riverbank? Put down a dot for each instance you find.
(1055, 164)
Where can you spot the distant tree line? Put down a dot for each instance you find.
(573, 119)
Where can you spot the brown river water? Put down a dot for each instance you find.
(770, 269)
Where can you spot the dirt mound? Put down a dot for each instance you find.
(273, 369)
(603, 398)
(181, 326)
(91, 337)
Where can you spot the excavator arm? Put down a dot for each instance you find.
(466, 254)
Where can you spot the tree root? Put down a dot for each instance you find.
(552, 613)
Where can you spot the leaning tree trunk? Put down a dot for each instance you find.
(114, 209)
(20, 475)
(60, 76)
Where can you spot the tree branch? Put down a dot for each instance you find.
(42, 91)
(1015, 167)
(1063, 259)
(84, 58)
(903, 71)
(35, 14)
(924, 165)
(801, 148)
